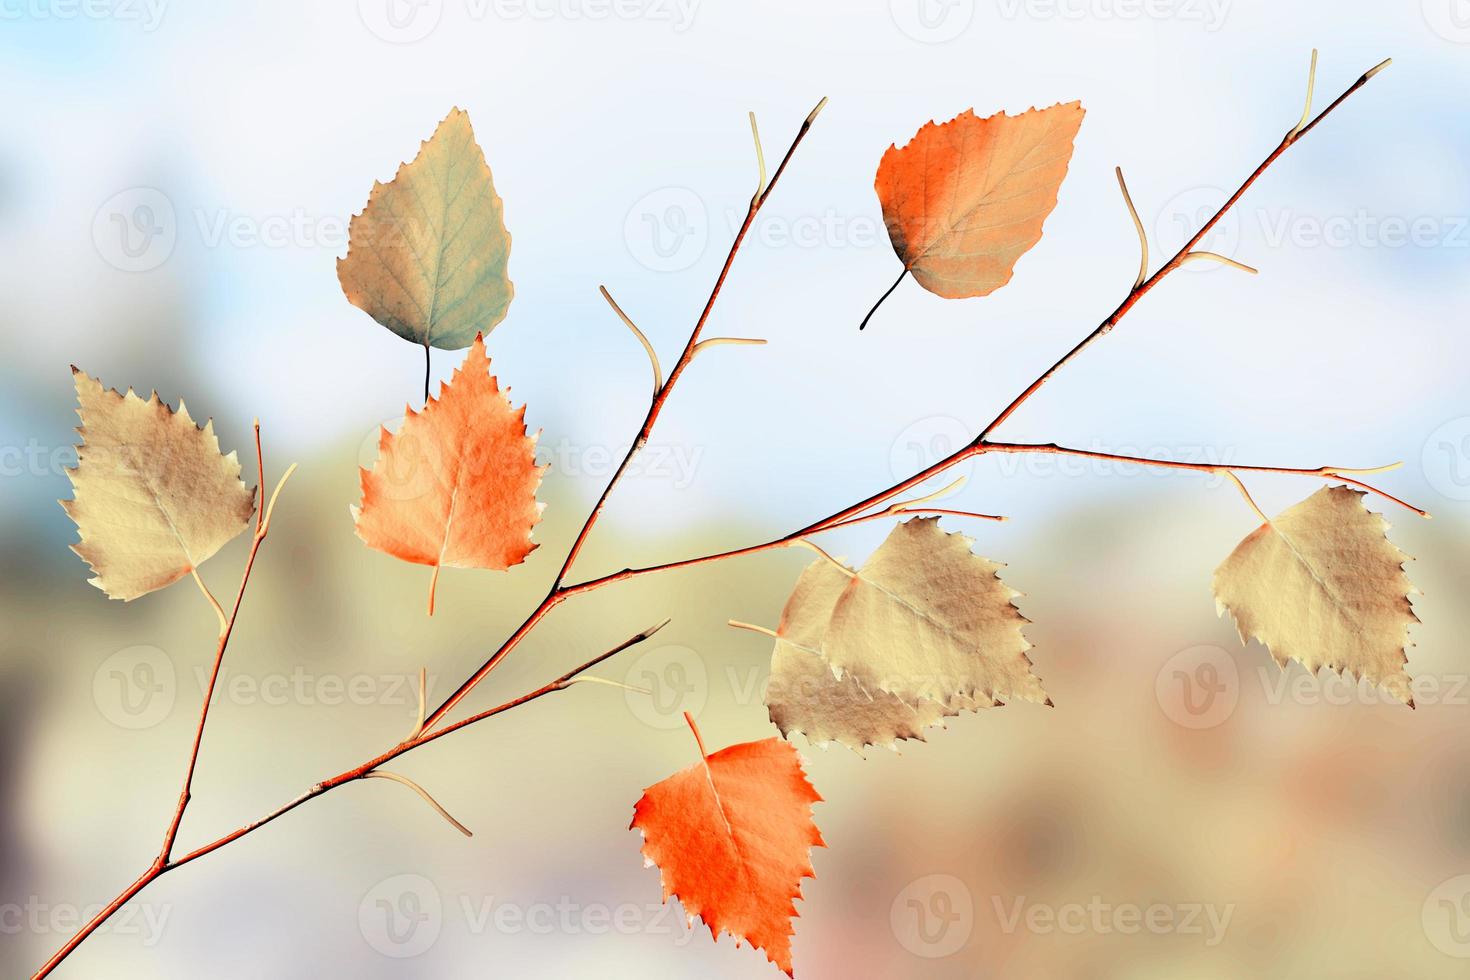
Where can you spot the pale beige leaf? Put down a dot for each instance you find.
(152, 495)
(927, 619)
(804, 694)
(1321, 584)
(427, 256)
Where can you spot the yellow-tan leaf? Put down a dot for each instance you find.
(805, 695)
(152, 495)
(1322, 584)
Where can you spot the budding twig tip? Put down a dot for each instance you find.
(1377, 68)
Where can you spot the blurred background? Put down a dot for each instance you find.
(175, 184)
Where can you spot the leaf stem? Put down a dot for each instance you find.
(889, 292)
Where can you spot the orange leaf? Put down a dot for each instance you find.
(964, 200)
(456, 485)
(732, 836)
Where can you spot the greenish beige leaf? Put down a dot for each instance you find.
(1322, 584)
(152, 495)
(427, 256)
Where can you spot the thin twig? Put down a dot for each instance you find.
(213, 602)
(753, 628)
(821, 552)
(1143, 288)
(160, 868)
(556, 593)
(717, 341)
(1307, 109)
(423, 794)
(658, 372)
(760, 158)
(1240, 485)
(227, 627)
(1138, 226)
(1223, 260)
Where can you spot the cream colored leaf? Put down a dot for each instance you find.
(804, 694)
(427, 256)
(152, 495)
(927, 619)
(1323, 585)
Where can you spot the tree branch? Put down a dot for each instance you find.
(559, 591)
(660, 398)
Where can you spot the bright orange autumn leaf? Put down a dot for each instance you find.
(965, 199)
(456, 485)
(732, 836)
